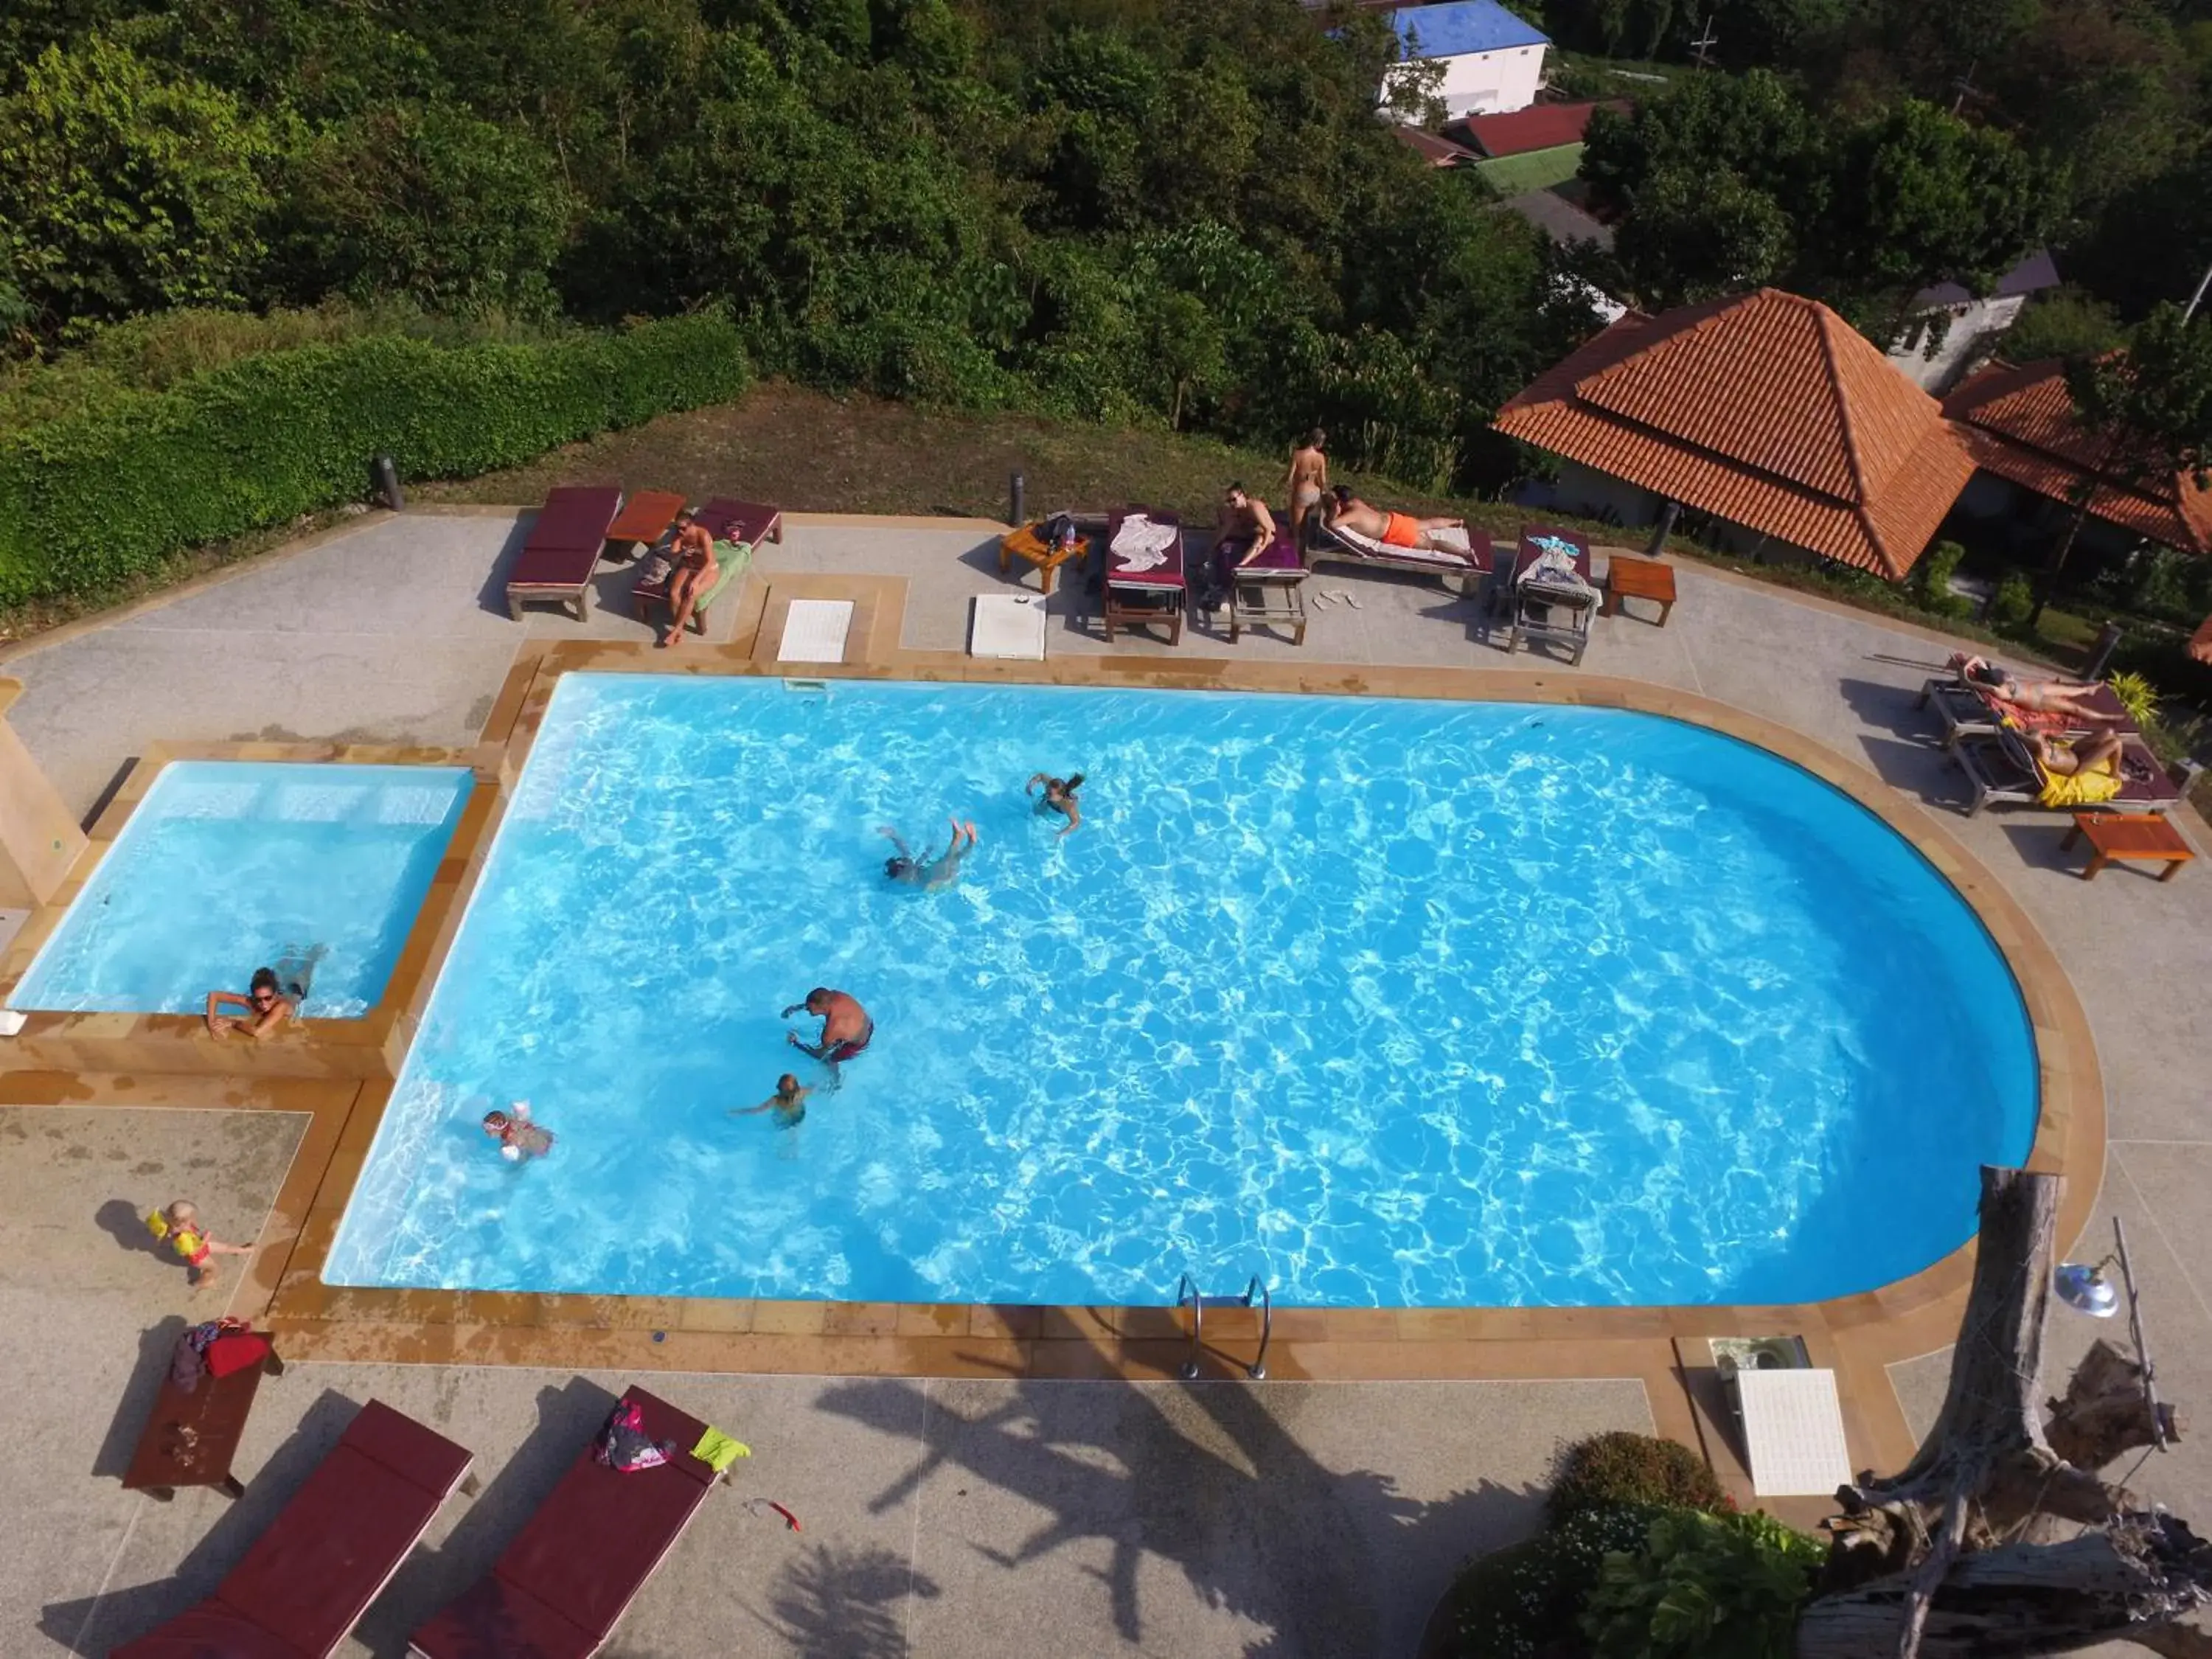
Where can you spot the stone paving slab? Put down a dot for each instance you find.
(971, 1519)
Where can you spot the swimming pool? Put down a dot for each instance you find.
(228, 865)
(1392, 1002)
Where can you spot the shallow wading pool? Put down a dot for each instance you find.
(228, 865)
(1393, 1003)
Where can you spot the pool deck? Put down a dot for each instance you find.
(392, 631)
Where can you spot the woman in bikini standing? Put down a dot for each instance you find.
(1309, 478)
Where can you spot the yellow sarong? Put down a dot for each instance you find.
(2093, 785)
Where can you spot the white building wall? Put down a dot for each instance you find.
(1972, 329)
(1488, 82)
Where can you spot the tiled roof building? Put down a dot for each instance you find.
(1764, 409)
(2021, 425)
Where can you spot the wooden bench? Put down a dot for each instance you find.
(190, 1439)
(1032, 548)
(2113, 838)
(1640, 578)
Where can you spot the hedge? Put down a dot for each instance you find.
(91, 500)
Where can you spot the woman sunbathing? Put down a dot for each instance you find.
(2085, 773)
(2038, 697)
(696, 571)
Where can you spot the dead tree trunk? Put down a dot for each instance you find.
(2103, 1414)
(1945, 1558)
(2025, 1599)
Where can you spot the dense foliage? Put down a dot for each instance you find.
(1704, 1587)
(1175, 210)
(1607, 1470)
(90, 499)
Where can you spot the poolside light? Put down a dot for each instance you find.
(2086, 1289)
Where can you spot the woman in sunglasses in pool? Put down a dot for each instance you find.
(264, 1008)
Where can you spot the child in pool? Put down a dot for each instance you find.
(788, 1102)
(518, 1137)
(178, 1228)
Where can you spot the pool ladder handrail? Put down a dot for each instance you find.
(1186, 1294)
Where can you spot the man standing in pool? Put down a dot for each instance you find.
(846, 1029)
(1059, 796)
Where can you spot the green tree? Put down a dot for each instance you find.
(2065, 322)
(1185, 343)
(1699, 235)
(122, 189)
(2148, 409)
(425, 200)
(1751, 125)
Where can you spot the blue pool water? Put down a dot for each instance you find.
(1393, 1003)
(230, 865)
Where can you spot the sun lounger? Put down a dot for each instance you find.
(2003, 770)
(1267, 591)
(1540, 611)
(563, 548)
(1970, 711)
(571, 1571)
(745, 525)
(1143, 586)
(1338, 546)
(325, 1555)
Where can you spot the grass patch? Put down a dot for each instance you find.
(810, 452)
(1539, 169)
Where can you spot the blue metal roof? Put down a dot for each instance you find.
(1463, 27)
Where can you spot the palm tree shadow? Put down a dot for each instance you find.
(1212, 1477)
(837, 1603)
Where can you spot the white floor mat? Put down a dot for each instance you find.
(1007, 627)
(1793, 1428)
(815, 630)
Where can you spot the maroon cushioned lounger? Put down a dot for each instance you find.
(327, 1554)
(572, 1570)
(563, 547)
(727, 519)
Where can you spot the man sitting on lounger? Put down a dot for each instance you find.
(2042, 696)
(696, 571)
(1342, 510)
(1247, 531)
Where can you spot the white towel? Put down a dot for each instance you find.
(1140, 544)
(1554, 567)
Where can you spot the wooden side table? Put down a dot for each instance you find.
(1640, 578)
(1025, 544)
(190, 1439)
(2114, 837)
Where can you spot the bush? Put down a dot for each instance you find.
(1612, 1469)
(1704, 1587)
(2010, 604)
(90, 501)
(1932, 580)
(1526, 1601)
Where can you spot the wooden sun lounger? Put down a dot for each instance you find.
(1538, 614)
(1968, 711)
(1266, 592)
(563, 548)
(1141, 598)
(562, 1585)
(745, 525)
(323, 1558)
(1341, 546)
(2003, 773)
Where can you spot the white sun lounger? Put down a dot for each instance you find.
(1011, 627)
(815, 631)
(1793, 1432)
(1339, 545)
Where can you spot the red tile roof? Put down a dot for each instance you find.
(1541, 126)
(1765, 410)
(2021, 423)
(1436, 151)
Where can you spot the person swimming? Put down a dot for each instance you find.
(519, 1138)
(1059, 796)
(788, 1102)
(847, 1030)
(926, 872)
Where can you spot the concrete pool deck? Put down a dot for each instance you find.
(392, 630)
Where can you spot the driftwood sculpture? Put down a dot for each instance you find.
(2001, 1537)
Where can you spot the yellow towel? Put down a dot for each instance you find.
(2093, 785)
(718, 1451)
